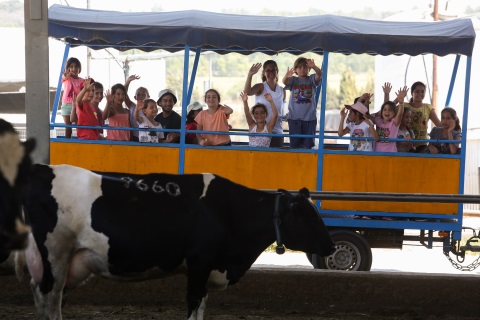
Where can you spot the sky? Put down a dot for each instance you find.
(255, 6)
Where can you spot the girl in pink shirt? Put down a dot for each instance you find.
(388, 122)
(72, 84)
(213, 119)
(117, 115)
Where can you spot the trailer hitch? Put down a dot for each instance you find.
(469, 246)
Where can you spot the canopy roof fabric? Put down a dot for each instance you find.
(246, 34)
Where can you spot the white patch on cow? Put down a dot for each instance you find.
(11, 154)
(218, 280)
(75, 189)
(207, 178)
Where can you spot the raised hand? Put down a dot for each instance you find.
(87, 83)
(108, 97)
(310, 63)
(365, 98)
(401, 94)
(132, 77)
(290, 72)
(244, 96)
(268, 97)
(139, 105)
(387, 87)
(254, 69)
(343, 112)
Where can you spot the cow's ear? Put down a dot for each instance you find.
(29, 145)
(304, 192)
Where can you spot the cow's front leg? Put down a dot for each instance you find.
(197, 293)
(48, 293)
(39, 298)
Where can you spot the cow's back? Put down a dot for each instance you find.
(148, 219)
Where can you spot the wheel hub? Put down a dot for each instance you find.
(344, 258)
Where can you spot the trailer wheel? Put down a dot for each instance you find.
(353, 253)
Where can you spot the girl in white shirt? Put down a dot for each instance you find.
(257, 120)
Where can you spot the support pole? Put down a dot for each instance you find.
(36, 77)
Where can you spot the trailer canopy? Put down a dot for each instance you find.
(224, 33)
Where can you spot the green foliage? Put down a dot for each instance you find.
(370, 85)
(333, 99)
(338, 63)
(228, 73)
(348, 87)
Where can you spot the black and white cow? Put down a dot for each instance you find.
(143, 226)
(15, 166)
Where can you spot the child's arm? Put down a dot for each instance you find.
(246, 109)
(400, 97)
(73, 113)
(273, 120)
(226, 109)
(341, 130)
(77, 101)
(372, 130)
(257, 88)
(136, 113)
(287, 78)
(452, 146)
(107, 111)
(433, 116)
(318, 71)
(365, 100)
(201, 141)
(65, 74)
(86, 86)
(128, 101)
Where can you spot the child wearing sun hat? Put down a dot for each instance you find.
(358, 125)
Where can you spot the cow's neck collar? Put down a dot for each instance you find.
(280, 249)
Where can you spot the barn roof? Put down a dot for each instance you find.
(246, 34)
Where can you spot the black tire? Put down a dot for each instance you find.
(353, 253)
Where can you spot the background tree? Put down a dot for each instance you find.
(348, 87)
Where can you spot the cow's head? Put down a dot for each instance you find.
(15, 166)
(301, 226)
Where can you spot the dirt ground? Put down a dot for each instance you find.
(165, 313)
(164, 299)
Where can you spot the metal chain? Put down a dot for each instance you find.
(472, 266)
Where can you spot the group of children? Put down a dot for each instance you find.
(399, 120)
(369, 132)
(86, 94)
(80, 105)
(266, 115)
